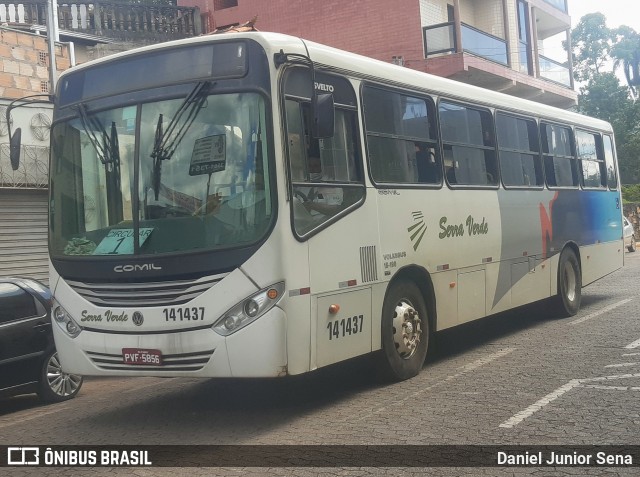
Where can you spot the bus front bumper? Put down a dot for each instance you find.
(258, 350)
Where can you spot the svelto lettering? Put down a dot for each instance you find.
(324, 87)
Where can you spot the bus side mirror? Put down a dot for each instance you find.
(323, 115)
(14, 148)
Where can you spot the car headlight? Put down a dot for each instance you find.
(66, 321)
(249, 310)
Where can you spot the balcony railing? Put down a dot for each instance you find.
(110, 18)
(441, 38)
(554, 71)
(482, 44)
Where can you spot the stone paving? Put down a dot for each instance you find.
(522, 377)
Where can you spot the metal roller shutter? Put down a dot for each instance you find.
(23, 234)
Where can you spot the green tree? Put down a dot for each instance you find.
(631, 193)
(595, 50)
(626, 54)
(604, 97)
(591, 41)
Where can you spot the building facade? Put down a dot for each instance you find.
(513, 46)
(24, 71)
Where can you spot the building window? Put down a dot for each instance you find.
(523, 37)
(222, 4)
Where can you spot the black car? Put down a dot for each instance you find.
(28, 359)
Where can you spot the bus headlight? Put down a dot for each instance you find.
(66, 322)
(249, 310)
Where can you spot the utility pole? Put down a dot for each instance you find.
(52, 37)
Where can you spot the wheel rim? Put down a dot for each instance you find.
(61, 383)
(570, 281)
(407, 329)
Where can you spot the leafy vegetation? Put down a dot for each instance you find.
(631, 193)
(597, 53)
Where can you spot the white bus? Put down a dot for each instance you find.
(255, 205)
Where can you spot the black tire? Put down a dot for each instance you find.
(403, 359)
(632, 247)
(55, 385)
(567, 302)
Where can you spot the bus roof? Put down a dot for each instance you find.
(373, 70)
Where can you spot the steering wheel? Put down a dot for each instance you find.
(301, 195)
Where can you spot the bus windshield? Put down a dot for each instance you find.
(178, 175)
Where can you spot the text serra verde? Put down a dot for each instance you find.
(108, 316)
(470, 227)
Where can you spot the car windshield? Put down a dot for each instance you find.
(178, 175)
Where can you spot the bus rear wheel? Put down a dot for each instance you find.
(405, 331)
(567, 302)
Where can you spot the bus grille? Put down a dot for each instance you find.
(144, 294)
(170, 362)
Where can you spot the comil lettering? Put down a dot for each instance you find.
(136, 268)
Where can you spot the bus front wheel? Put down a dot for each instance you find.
(405, 331)
(567, 302)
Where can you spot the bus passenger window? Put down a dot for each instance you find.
(560, 165)
(467, 137)
(519, 148)
(612, 178)
(591, 157)
(401, 136)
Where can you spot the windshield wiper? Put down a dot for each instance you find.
(104, 149)
(166, 143)
(107, 149)
(112, 170)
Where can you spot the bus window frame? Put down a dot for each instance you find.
(479, 107)
(437, 140)
(540, 159)
(573, 157)
(614, 158)
(599, 154)
(284, 97)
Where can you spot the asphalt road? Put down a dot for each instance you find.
(522, 377)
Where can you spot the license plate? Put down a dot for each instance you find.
(145, 357)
